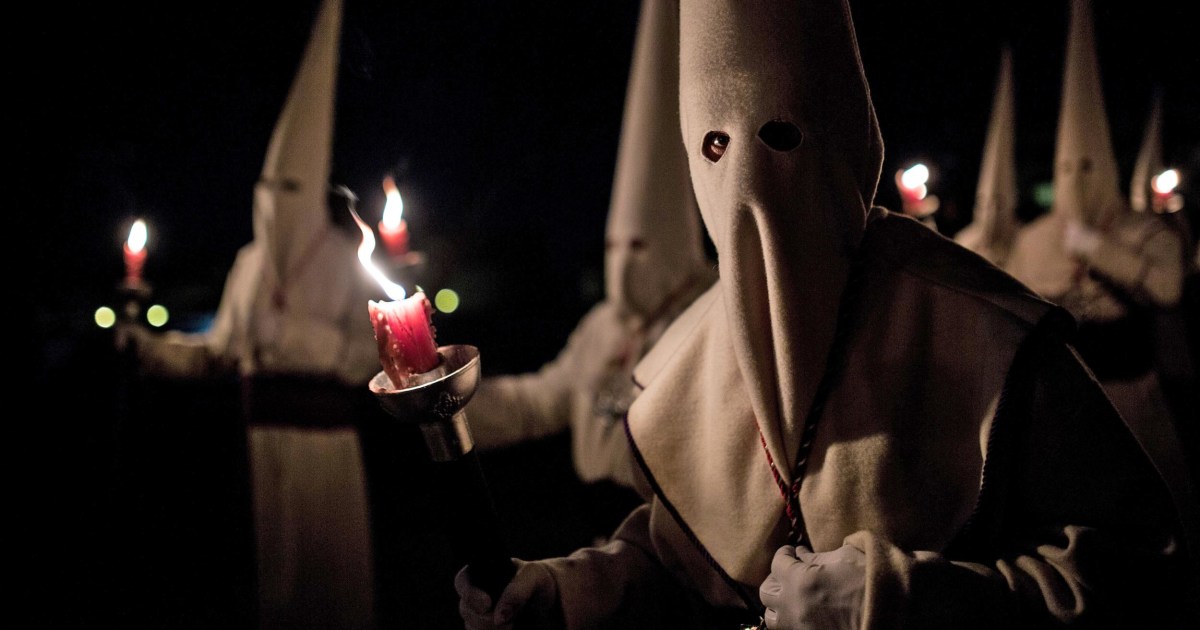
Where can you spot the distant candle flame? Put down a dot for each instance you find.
(393, 208)
(393, 290)
(1165, 182)
(911, 182)
(915, 177)
(137, 236)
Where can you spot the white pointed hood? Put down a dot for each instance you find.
(1149, 159)
(1086, 180)
(784, 152)
(290, 197)
(654, 246)
(994, 222)
(784, 219)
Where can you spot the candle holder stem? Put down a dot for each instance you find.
(471, 520)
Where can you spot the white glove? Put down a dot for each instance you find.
(532, 594)
(817, 591)
(1080, 240)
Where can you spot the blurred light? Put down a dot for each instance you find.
(157, 315)
(137, 236)
(1165, 182)
(446, 300)
(915, 177)
(105, 317)
(1043, 194)
(393, 208)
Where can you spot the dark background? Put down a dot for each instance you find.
(499, 121)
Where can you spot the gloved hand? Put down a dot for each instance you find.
(817, 591)
(532, 594)
(1080, 240)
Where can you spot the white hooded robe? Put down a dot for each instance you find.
(911, 400)
(654, 266)
(293, 323)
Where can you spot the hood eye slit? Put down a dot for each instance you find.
(715, 144)
(781, 135)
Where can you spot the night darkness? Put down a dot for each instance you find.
(499, 121)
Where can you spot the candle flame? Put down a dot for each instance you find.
(393, 290)
(911, 182)
(1165, 182)
(393, 208)
(915, 177)
(137, 236)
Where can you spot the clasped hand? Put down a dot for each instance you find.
(814, 591)
(531, 596)
(1080, 240)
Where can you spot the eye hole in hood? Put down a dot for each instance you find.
(715, 143)
(781, 135)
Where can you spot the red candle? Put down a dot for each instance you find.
(403, 330)
(405, 336)
(135, 252)
(393, 229)
(1164, 185)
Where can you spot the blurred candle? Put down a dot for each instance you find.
(912, 180)
(1165, 182)
(1165, 199)
(135, 252)
(402, 325)
(392, 229)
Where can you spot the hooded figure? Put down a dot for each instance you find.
(994, 223)
(1148, 165)
(292, 322)
(1176, 362)
(861, 424)
(654, 267)
(1090, 253)
(1114, 269)
(1149, 160)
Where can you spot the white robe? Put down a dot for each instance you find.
(1137, 267)
(310, 509)
(586, 390)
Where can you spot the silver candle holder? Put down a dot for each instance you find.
(436, 402)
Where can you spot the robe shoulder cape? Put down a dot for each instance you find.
(963, 447)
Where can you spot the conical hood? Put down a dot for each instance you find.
(1086, 180)
(993, 225)
(784, 152)
(654, 245)
(787, 198)
(290, 198)
(1149, 160)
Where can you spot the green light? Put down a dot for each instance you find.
(1043, 194)
(105, 317)
(157, 315)
(446, 301)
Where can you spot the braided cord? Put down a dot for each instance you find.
(834, 367)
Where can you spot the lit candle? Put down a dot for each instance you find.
(914, 193)
(135, 253)
(911, 182)
(1165, 200)
(403, 329)
(392, 228)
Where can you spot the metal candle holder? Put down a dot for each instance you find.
(436, 402)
